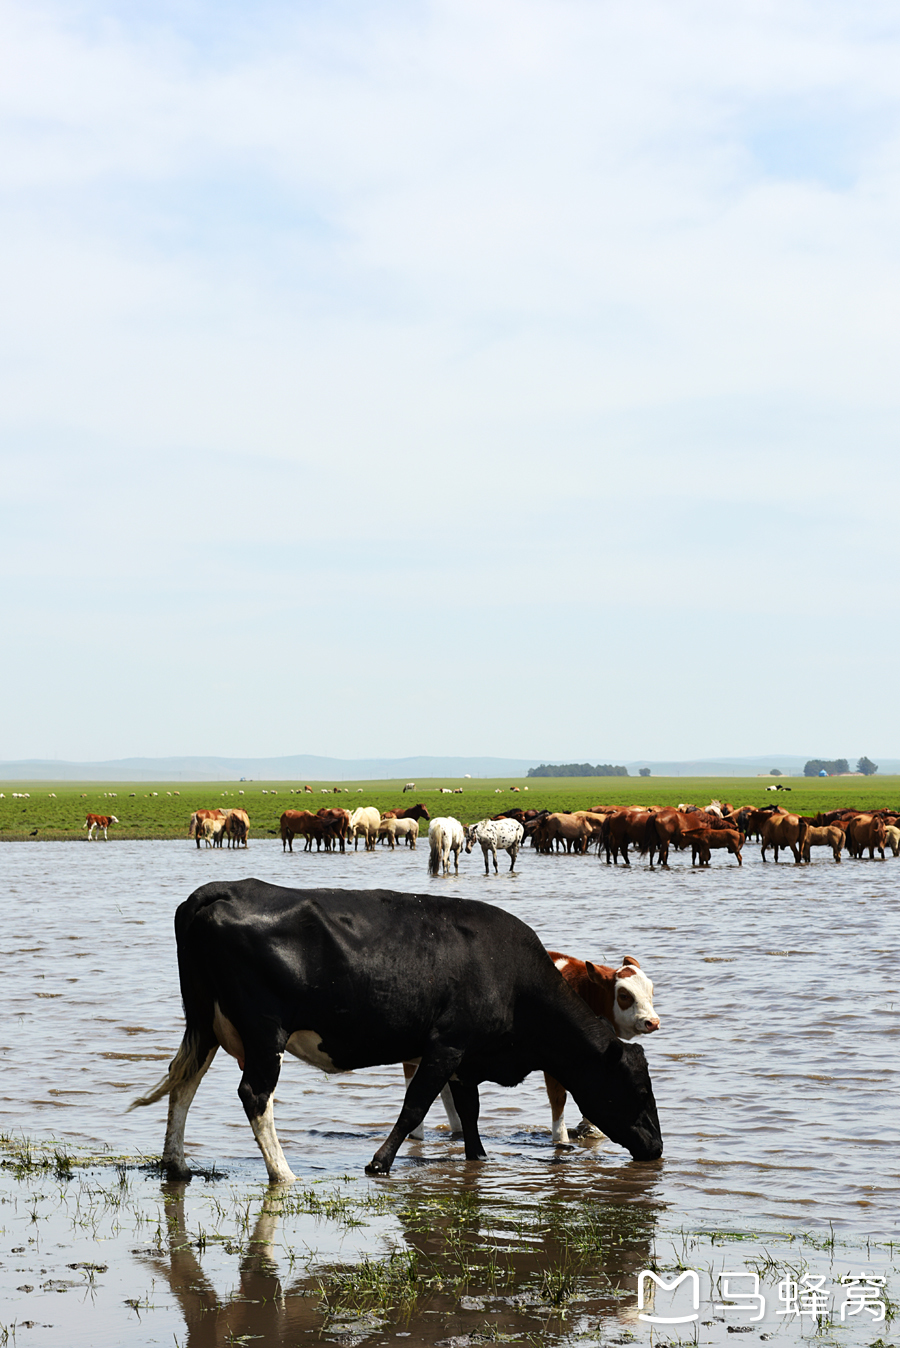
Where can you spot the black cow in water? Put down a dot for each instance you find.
(346, 979)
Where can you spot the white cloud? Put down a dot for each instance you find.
(392, 298)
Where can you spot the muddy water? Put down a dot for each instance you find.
(775, 1070)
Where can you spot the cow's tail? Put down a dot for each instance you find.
(185, 1065)
(435, 848)
(199, 1038)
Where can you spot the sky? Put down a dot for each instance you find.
(449, 378)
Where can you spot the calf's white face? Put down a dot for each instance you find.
(633, 1001)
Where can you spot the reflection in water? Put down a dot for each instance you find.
(455, 1248)
(259, 1307)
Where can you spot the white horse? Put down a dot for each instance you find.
(507, 834)
(444, 836)
(365, 820)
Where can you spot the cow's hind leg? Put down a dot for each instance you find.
(433, 1073)
(180, 1097)
(513, 853)
(262, 1067)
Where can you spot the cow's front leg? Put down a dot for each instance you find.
(433, 1073)
(262, 1067)
(465, 1098)
(513, 852)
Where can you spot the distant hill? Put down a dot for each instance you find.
(309, 767)
(296, 768)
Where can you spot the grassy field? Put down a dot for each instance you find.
(56, 811)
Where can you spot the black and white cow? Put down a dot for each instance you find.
(346, 979)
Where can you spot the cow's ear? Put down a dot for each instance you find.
(629, 959)
(593, 972)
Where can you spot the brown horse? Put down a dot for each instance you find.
(412, 812)
(664, 827)
(784, 830)
(866, 830)
(827, 836)
(624, 827)
(702, 843)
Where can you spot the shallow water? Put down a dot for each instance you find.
(774, 1070)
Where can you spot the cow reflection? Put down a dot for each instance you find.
(604, 1224)
(261, 1307)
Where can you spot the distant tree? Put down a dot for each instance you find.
(833, 766)
(775, 772)
(866, 766)
(577, 770)
(643, 772)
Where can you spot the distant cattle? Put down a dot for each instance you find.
(318, 974)
(410, 786)
(100, 822)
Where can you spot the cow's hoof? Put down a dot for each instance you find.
(376, 1167)
(586, 1129)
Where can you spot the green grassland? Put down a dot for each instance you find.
(57, 810)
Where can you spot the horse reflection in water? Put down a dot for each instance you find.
(616, 1215)
(261, 1308)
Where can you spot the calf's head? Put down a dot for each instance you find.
(633, 1012)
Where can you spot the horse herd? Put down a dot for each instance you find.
(617, 832)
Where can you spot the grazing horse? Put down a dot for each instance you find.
(784, 830)
(410, 786)
(445, 835)
(507, 834)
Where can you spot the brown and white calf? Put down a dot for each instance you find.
(100, 822)
(622, 996)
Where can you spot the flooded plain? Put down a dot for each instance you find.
(775, 1074)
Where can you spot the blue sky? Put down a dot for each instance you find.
(490, 378)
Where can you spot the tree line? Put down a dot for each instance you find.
(835, 766)
(577, 770)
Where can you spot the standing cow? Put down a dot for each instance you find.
(361, 978)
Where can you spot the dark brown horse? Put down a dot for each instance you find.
(413, 812)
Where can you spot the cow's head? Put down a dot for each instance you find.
(470, 837)
(633, 1012)
(619, 1100)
